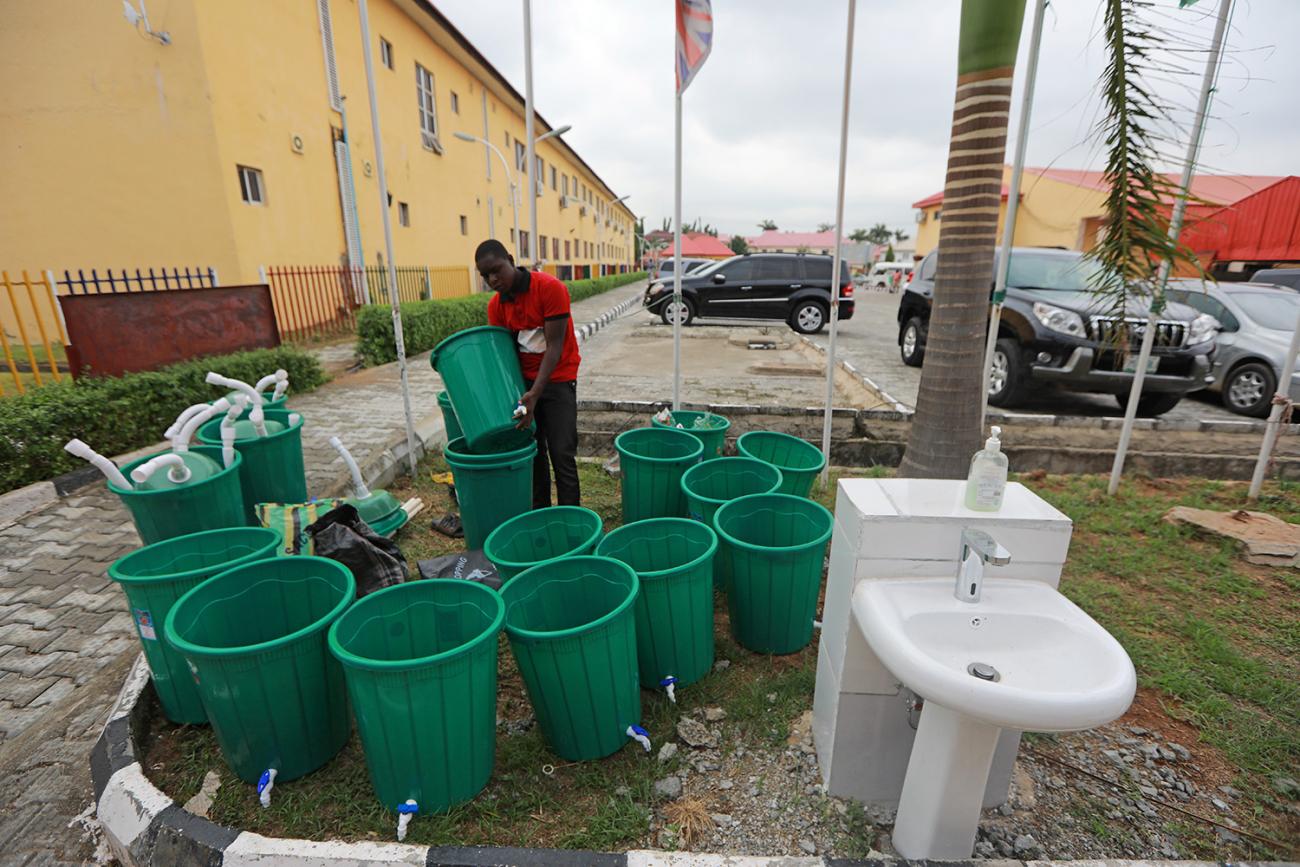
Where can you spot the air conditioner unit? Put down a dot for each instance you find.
(582, 210)
(564, 201)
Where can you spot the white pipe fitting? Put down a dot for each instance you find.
(281, 384)
(185, 416)
(104, 465)
(177, 472)
(228, 429)
(359, 487)
(267, 381)
(265, 785)
(257, 417)
(181, 439)
(405, 813)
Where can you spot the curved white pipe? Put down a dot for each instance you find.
(181, 441)
(104, 465)
(358, 483)
(185, 416)
(177, 472)
(281, 384)
(257, 417)
(266, 382)
(294, 418)
(228, 429)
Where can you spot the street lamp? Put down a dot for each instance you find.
(555, 132)
(514, 196)
(533, 254)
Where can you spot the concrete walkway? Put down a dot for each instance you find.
(67, 639)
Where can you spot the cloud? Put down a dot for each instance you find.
(761, 128)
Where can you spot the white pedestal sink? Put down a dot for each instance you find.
(1023, 657)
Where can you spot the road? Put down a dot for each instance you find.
(869, 341)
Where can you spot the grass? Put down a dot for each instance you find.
(1216, 638)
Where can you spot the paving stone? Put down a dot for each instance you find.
(60, 689)
(22, 635)
(28, 664)
(21, 690)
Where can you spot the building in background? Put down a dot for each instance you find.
(1260, 231)
(1065, 208)
(228, 145)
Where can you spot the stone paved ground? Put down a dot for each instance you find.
(66, 638)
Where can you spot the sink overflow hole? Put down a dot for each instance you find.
(983, 671)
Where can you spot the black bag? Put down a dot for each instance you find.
(466, 566)
(376, 562)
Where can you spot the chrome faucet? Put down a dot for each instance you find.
(970, 577)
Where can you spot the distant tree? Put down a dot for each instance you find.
(889, 253)
(768, 226)
(900, 236)
(738, 245)
(802, 248)
(879, 234)
(858, 235)
(667, 225)
(638, 238)
(825, 227)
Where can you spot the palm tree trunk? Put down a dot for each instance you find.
(946, 429)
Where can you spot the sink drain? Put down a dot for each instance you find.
(983, 671)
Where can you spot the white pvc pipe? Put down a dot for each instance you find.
(104, 465)
(228, 429)
(532, 256)
(185, 416)
(1275, 415)
(177, 471)
(281, 385)
(271, 379)
(677, 252)
(257, 417)
(181, 441)
(358, 483)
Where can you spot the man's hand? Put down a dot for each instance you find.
(529, 401)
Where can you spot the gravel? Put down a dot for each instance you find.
(669, 787)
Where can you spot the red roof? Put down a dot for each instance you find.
(775, 238)
(700, 244)
(1215, 189)
(1259, 228)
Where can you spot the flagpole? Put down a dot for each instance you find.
(399, 339)
(839, 240)
(677, 252)
(1013, 203)
(1175, 228)
(530, 169)
(1275, 416)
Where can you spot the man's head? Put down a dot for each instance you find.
(496, 265)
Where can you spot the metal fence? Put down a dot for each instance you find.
(141, 281)
(315, 301)
(418, 283)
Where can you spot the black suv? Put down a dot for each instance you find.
(794, 287)
(1054, 329)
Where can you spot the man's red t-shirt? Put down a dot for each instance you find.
(526, 314)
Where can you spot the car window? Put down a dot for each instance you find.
(1054, 272)
(742, 270)
(1199, 300)
(1276, 310)
(928, 267)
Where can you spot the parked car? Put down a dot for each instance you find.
(665, 271)
(1256, 322)
(1289, 277)
(888, 275)
(794, 287)
(1055, 330)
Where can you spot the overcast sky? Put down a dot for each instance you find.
(761, 120)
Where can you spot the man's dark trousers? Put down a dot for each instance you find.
(557, 445)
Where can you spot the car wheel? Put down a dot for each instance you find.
(672, 310)
(808, 317)
(1150, 405)
(1248, 390)
(910, 345)
(1007, 375)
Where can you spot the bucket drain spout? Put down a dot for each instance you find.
(264, 785)
(640, 735)
(405, 812)
(669, 684)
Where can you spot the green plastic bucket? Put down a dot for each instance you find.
(775, 545)
(255, 640)
(491, 489)
(709, 484)
(480, 368)
(572, 631)
(673, 558)
(543, 534)
(651, 463)
(798, 460)
(155, 576)
(449, 417)
(712, 432)
(421, 665)
(205, 504)
(272, 469)
(267, 402)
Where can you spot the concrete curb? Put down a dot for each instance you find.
(607, 317)
(861, 377)
(145, 827)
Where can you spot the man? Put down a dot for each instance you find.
(535, 306)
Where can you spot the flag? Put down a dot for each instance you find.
(694, 39)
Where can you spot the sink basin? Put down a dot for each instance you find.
(1056, 668)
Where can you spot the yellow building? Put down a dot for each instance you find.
(1066, 207)
(224, 143)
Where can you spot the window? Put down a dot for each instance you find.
(385, 52)
(512, 237)
(428, 109)
(566, 243)
(541, 174)
(554, 186)
(937, 212)
(521, 157)
(464, 225)
(455, 103)
(564, 187)
(740, 271)
(251, 188)
(541, 246)
(523, 243)
(555, 249)
(403, 214)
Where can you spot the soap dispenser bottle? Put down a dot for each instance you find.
(987, 481)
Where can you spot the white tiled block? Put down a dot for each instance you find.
(863, 672)
(826, 699)
(1049, 573)
(872, 743)
(839, 592)
(928, 539)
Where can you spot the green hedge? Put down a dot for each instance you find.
(427, 323)
(120, 413)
